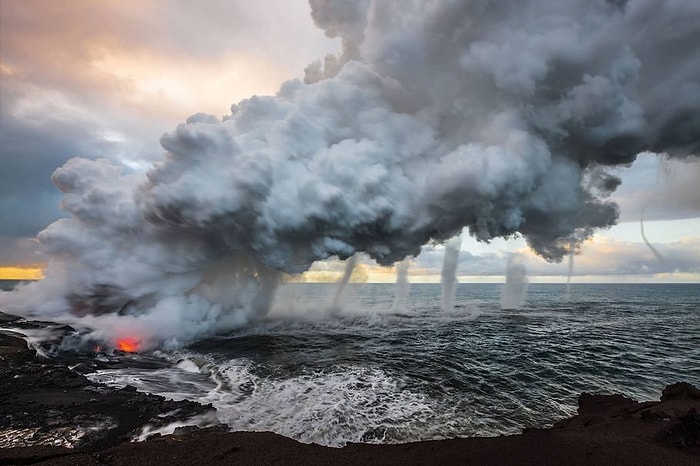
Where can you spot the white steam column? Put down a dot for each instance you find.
(449, 273)
(572, 251)
(342, 283)
(515, 288)
(402, 285)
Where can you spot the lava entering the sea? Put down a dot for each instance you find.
(128, 344)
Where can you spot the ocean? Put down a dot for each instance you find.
(372, 374)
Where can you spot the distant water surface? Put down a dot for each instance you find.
(7, 285)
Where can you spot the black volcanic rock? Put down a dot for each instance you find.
(595, 404)
(43, 402)
(680, 391)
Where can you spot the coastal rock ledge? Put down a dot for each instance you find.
(52, 415)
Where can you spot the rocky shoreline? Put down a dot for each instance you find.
(51, 414)
(47, 401)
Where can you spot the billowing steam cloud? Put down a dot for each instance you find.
(436, 115)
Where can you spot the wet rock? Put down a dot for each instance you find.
(651, 415)
(189, 430)
(680, 391)
(5, 318)
(12, 343)
(589, 404)
(683, 431)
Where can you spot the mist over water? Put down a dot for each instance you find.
(497, 117)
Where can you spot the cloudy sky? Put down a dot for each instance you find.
(106, 78)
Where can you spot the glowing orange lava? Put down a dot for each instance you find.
(128, 345)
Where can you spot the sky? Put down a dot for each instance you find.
(106, 78)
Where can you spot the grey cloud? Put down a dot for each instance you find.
(637, 259)
(430, 260)
(662, 188)
(28, 203)
(19, 251)
(614, 259)
(33, 144)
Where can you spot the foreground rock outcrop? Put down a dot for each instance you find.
(44, 402)
(52, 415)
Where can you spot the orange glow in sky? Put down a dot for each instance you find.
(128, 344)
(21, 273)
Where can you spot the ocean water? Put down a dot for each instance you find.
(6, 285)
(370, 374)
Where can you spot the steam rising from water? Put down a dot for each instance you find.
(434, 116)
(402, 285)
(449, 273)
(572, 252)
(342, 283)
(515, 288)
(651, 247)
